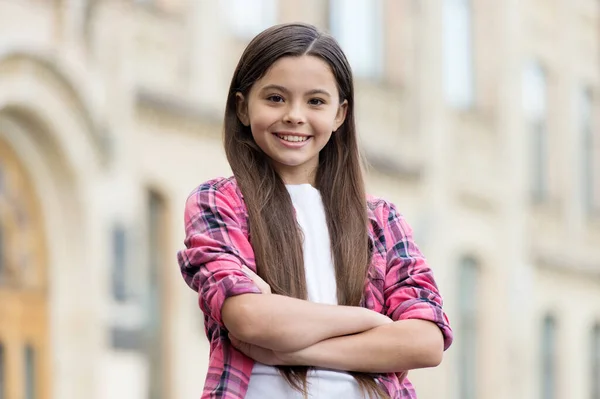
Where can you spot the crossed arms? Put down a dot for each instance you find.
(279, 330)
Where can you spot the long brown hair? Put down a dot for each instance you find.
(274, 233)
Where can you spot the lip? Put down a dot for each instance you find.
(292, 144)
(284, 133)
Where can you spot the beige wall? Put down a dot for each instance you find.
(105, 102)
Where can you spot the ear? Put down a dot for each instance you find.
(340, 117)
(241, 107)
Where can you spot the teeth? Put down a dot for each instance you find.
(292, 138)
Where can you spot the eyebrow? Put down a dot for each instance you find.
(286, 91)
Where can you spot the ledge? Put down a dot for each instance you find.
(565, 264)
(392, 167)
(174, 106)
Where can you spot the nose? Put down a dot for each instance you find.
(294, 115)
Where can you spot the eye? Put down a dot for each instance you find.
(316, 101)
(276, 98)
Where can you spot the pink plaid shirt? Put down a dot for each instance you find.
(400, 283)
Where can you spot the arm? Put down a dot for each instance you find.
(289, 324)
(402, 345)
(216, 249)
(410, 289)
(420, 332)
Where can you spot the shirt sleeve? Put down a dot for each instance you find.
(410, 290)
(211, 262)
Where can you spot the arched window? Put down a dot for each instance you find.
(469, 280)
(22, 283)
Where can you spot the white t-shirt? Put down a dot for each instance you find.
(266, 382)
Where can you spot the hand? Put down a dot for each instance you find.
(260, 283)
(261, 355)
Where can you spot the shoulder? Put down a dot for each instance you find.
(385, 215)
(219, 186)
(220, 192)
(378, 208)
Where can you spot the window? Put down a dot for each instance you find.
(585, 111)
(535, 110)
(540, 167)
(548, 358)
(468, 332)
(458, 53)
(595, 369)
(119, 259)
(22, 287)
(358, 26)
(30, 374)
(156, 256)
(247, 18)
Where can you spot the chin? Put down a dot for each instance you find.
(291, 164)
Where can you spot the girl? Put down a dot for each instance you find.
(309, 288)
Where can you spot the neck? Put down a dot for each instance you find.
(297, 175)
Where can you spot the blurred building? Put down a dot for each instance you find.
(479, 120)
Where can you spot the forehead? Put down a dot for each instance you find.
(305, 72)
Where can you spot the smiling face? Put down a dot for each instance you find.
(292, 112)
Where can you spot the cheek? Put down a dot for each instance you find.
(258, 135)
(259, 122)
(262, 115)
(325, 124)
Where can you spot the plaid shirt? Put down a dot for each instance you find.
(400, 283)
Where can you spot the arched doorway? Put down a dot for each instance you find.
(24, 325)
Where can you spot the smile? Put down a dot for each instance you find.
(293, 139)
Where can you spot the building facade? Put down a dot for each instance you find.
(478, 119)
